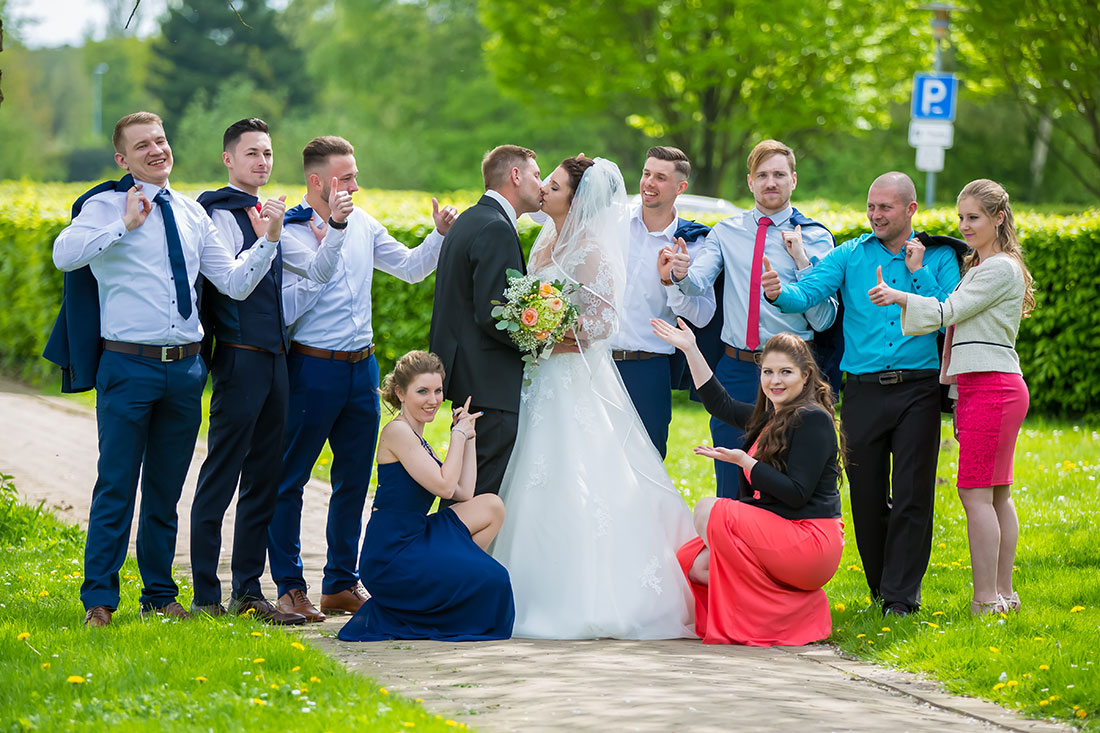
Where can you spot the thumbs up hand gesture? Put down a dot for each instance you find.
(681, 260)
(340, 204)
(443, 217)
(883, 294)
(769, 281)
(793, 242)
(272, 214)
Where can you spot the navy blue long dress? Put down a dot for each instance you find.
(426, 576)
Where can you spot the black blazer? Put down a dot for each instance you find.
(480, 360)
(808, 489)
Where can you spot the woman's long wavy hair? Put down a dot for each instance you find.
(771, 428)
(993, 199)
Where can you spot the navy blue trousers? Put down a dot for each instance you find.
(649, 385)
(742, 380)
(338, 402)
(148, 413)
(247, 425)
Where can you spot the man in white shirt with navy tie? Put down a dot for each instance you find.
(334, 375)
(145, 245)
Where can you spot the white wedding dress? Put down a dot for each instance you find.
(593, 521)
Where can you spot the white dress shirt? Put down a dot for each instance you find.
(647, 298)
(137, 298)
(509, 210)
(730, 246)
(337, 315)
(317, 264)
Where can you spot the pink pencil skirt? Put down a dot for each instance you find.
(991, 409)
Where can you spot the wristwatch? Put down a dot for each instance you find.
(337, 224)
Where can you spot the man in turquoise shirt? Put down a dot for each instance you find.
(891, 394)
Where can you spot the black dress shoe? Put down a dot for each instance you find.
(896, 609)
(265, 610)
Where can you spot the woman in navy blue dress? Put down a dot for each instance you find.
(428, 575)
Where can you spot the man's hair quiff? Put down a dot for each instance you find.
(677, 157)
(234, 132)
(766, 149)
(318, 150)
(134, 118)
(499, 162)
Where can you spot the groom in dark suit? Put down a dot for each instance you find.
(482, 362)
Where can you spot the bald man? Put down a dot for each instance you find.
(891, 407)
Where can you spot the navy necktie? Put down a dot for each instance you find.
(175, 254)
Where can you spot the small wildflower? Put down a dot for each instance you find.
(24, 636)
(1044, 667)
(860, 636)
(932, 625)
(274, 686)
(839, 607)
(938, 613)
(43, 594)
(1082, 714)
(258, 701)
(295, 669)
(1037, 638)
(1012, 683)
(995, 650)
(318, 679)
(885, 628)
(853, 568)
(409, 724)
(258, 660)
(45, 665)
(75, 679)
(256, 633)
(250, 612)
(383, 690)
(1077, 609)
(1044, 703)
(998, 686)
(298, 645)
(451, 723)
(200, 678)
(420, 699)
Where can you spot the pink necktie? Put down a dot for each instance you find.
(752, 329)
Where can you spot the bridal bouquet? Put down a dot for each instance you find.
(535, 313)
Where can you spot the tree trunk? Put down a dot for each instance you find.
(1039, 154)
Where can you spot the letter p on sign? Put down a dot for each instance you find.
(934, 97)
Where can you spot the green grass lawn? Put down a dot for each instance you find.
(224, 674)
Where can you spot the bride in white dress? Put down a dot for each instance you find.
(593, 520)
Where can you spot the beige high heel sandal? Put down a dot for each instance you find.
(1009, 603)
(984, 608)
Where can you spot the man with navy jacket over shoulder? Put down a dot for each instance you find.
(131, 256)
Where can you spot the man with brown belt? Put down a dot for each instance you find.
(334, 375)
(737, 246)
(140, 245)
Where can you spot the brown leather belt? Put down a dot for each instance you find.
(161, 353)
(350, 357)
(753, 357)
(636, 355)
(247, 347)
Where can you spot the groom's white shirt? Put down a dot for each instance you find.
(506, 204)
(647, 298)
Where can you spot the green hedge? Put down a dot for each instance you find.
(1056, 343)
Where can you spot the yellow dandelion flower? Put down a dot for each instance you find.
(1044, 703)
(45, 665)
(998, 686)
(938, 613)
(255, 633)
(995, 650)
(75, 679)
(383, 690)
(1012, 683)
(1082, 714)
(867, 600)
(314, 679)
(258, 660)
(258, 701)
(295, 669)
(942, 545)
(43, 594)
(860, 636)
(870, 642)
(1027, 675)
(1037, 638)
(200, 678)
(305, 689)
(1044, 667)
(274, 686)
(251, 612)
(409, 724)
(1077, 609)
(420, 699)
(932, 625)
(298, 645)
(451, 723)
(24, 636)
(885, 628)
(853, 568)
(1053, 698)
(839, 607)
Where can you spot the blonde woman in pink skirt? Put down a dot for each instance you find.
(982, 318)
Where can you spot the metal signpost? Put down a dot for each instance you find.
(931, 128)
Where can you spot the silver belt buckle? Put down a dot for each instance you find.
(889, 378)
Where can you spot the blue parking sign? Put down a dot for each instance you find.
(934, 97)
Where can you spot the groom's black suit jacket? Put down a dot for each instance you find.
(480, 360)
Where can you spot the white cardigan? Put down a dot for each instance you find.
(985, 309)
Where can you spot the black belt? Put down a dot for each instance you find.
(895, 377)
(619, 355)
(161, 353)
(247, 347)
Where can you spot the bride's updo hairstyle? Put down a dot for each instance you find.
(771, 427)
(576, 167)
(408, 367)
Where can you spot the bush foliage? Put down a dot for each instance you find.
(1055, 343)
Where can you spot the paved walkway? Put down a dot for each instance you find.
(49, 445)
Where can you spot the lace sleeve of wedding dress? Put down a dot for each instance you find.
(591, 251)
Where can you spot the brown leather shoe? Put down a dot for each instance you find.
(265, 610)
(295, 600)
(346, 601)
(98, 616)
(170, 610)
